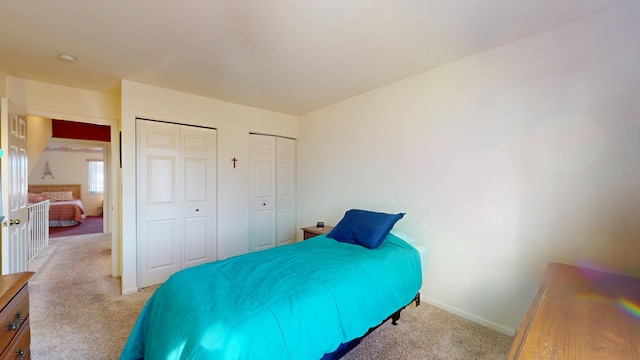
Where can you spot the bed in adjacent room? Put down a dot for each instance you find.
(66, 207)
(308, 300)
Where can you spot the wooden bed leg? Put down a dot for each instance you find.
(417, 299)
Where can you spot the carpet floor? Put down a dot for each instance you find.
(91, 225)
(77, 312)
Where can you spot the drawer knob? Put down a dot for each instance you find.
(20, 353)
(16, 325)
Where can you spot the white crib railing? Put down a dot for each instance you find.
(38, 233)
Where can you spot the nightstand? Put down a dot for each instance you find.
(312, 231)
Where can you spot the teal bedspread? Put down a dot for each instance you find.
(298, 301)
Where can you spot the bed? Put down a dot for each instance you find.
(66, 207)
(309, 300)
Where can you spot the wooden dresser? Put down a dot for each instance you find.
(15, 337)
(581, 314)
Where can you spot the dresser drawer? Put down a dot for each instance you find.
(14, 316)
(19, 348)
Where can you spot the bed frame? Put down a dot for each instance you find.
(75, 188)
(343, 349)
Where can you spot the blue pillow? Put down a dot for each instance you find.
(366, 228)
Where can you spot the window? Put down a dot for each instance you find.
(96, 176)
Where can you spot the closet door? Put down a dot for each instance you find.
(158, 201)
(198, 196)
(262, 191)
(286, 191)
(175, 199)
(272, 192)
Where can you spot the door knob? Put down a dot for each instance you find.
(14, 222)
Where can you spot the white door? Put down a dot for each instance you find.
(14, 189)
(175, 199)
(272, 192)
(199, 195)
(286, 191)
(262, 192)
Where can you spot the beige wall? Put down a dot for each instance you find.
(503, 161)
(62, 102)
(3, 84)
(39, 132)
(233, 123)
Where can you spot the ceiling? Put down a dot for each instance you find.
(283, 55)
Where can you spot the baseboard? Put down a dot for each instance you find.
(476, 319)
(130, 291)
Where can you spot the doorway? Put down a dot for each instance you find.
(46, 133)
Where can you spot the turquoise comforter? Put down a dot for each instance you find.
(299, 301)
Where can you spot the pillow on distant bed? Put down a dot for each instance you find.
(60, 195)
(36, 198)
(365, 228)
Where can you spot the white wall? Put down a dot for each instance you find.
(233, 123)
(69, 167)
(503, 161)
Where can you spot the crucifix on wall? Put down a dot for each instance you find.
(234, 162)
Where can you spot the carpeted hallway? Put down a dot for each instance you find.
(77, 312)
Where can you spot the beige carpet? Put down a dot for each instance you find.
(77, 312)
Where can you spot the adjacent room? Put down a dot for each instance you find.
(72, 159)
(489, 150)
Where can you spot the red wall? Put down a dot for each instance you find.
(78, 130)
